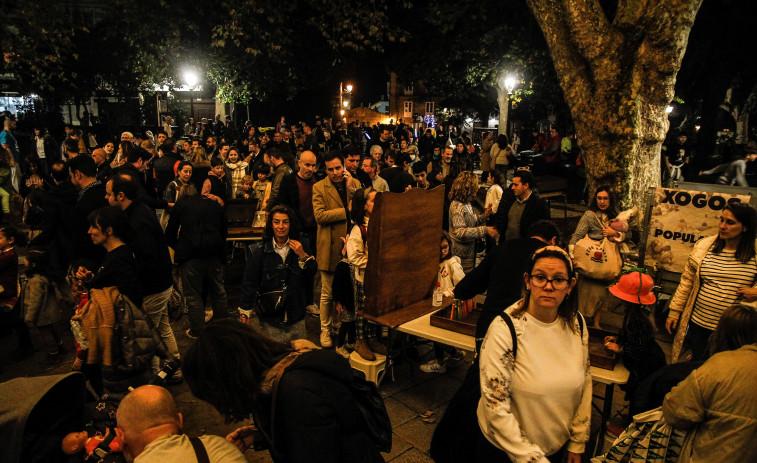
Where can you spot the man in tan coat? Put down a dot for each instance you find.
(331, 198)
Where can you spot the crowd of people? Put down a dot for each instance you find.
(139, 225)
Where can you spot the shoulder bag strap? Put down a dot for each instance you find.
(275, 389)
(199, 448)
(510, 325)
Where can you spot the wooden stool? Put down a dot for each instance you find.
(373, 370)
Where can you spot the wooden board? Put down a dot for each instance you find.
(599, 356)
(466, 325)
(404, 236)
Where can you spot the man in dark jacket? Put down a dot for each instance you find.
(164, 165)
(500, 274)
(153, 260)
(136, 168)
(200, 254)
(91, 196)
(519, 207)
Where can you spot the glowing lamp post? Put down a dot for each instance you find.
(507, 85)
(191, 79)
(344, 104)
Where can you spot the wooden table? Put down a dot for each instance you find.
(421, 327)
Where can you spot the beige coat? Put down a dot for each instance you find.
(486, 160)
(331, 218)
(682, 303)
(716, 405)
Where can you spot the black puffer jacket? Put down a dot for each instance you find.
(316, 419)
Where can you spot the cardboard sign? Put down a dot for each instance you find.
(678, 219)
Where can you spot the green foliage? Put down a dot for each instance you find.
(261, 47)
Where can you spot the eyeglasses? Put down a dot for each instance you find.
(541, 281)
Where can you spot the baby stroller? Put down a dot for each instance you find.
(35, 414)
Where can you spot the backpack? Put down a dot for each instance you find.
(455, 438)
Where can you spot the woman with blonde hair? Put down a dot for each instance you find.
(466, 225)
(200, 167)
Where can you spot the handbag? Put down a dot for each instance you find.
(272, 304)
(648, 438)
(597, 259)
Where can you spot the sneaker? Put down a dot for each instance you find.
(433, 367)
(176, 378)
(326, 339)
(457, 355)
(192, 334)
(341, 350)
(313, 310)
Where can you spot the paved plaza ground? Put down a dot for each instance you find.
(409, 395)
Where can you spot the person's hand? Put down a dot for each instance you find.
(671, 324)
(348, 180)
(493, 232)
(344, 246)
(701, 172)
(409, 187)
(488, 210)
(83, 274)
(297, 248)
(573, 458)
(439, 177)
(243, 437)
(609, 232)
(610, 339)
(339, 308)
(77, 365)
(612, 347)
(748, 294)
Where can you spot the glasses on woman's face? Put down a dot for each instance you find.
(541, 281)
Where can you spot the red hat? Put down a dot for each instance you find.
(635, 287)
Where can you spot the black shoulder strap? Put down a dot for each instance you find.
(199, 448)
(103, 448)
(510, 325)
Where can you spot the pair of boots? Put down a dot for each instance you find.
(368, 348)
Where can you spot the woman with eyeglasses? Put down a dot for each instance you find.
(536, 394)
(592, 293)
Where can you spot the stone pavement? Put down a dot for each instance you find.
(411, 394)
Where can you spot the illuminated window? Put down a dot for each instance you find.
(408, 107)
(429, 107)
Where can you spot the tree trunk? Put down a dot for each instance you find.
(503, 99)
(618, 77)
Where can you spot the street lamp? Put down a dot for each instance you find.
(344, 104)
(191, 79)
(508, 84)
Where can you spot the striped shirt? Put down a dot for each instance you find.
(721, 275)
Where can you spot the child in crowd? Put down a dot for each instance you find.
(215, 186)
(494, 193)
(245, 190)
(41, 294)
(357, 255)
(344, 303)
(261, 188)
(450, 274)
(636, 341)
(9, 238)
(236, 171)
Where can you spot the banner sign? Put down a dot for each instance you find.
(678, 219)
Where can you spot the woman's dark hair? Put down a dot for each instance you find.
(502, 141)
(225, 366)
(182, 164)
(446, 237)
(737, 327)
(748, 218)
(294, 228)
(110, 217)
(568, 308)
(357, 213)
(127, 148)
(11, 232)
(612, 210)
(496, 177)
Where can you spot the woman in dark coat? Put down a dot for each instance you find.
(314, 417)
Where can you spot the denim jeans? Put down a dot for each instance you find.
(156, 308)
(193, 272)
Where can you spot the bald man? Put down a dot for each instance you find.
(150, 430)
